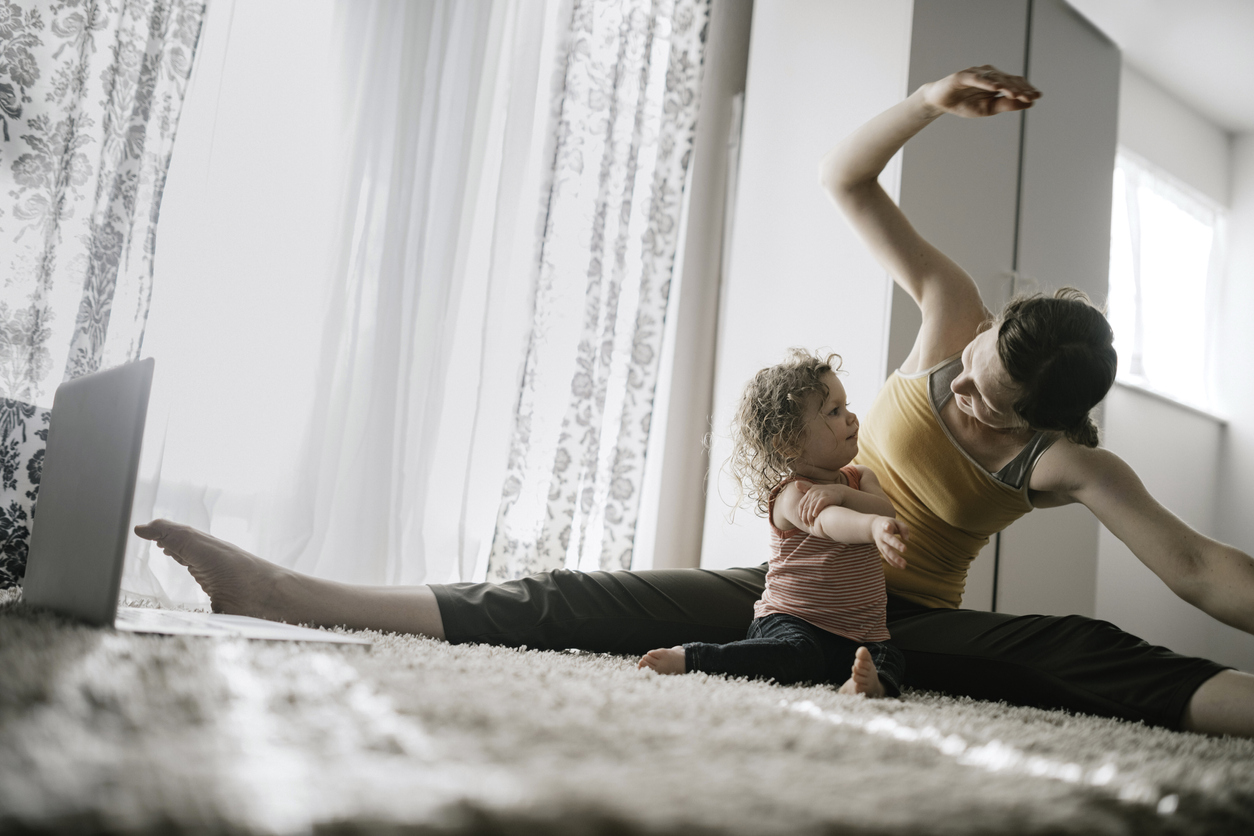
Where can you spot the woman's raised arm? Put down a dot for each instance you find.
(947, 296)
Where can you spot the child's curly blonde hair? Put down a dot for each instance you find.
(768, 431)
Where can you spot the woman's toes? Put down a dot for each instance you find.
(150, 530)
(166, 534)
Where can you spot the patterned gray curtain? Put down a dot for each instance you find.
(624, 142)
(90, 94)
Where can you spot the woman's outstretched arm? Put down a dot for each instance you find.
(946, 295)
(1214, 577)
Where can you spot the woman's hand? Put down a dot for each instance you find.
(890, 538)
(980, 91)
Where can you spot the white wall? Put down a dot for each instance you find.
(797, 274)
(1235, 372)
(1171, 135)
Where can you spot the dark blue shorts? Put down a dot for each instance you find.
(789, 650)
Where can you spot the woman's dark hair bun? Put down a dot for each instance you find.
(1060, 351)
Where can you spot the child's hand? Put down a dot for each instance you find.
(890, 538)
(814, 498)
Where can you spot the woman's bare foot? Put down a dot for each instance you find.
(237, 582)
(864, 679)
(240, 583)
(664, 660)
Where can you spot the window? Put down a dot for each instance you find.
(1165, 256)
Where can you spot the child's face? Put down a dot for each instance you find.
(831, 439)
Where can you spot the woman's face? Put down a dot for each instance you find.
(984, 390)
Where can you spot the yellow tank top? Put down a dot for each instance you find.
(951, 504)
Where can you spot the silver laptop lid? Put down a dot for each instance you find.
(83, 513)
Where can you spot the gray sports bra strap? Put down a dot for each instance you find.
(938, 383)
(1017, 470)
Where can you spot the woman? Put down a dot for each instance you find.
(980, 425)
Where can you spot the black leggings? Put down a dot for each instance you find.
(1067, 662)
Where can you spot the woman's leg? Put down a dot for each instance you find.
(1224, 704)
(1068, 662)
(609, 612)
(243, 584)
(617, 612)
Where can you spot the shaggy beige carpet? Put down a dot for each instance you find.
(109, 732)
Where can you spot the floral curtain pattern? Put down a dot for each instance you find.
(90, 93)
(624, 142)
(23, 437)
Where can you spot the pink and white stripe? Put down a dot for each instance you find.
(836, 586)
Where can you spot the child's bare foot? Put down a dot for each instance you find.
(864, 679)
(237, 582)
(664, 660)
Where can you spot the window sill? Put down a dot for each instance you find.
(1168, 399)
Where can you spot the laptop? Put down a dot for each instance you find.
(83, 515)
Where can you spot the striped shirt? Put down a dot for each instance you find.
(838, 587)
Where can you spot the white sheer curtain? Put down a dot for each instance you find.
(241, 278)
(386, 463)
(632, 92)
(422, 350)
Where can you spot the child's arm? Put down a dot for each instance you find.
(871, 499)
(840, 521)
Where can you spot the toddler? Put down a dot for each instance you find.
(821, 617)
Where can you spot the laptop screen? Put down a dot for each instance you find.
(83, 512)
